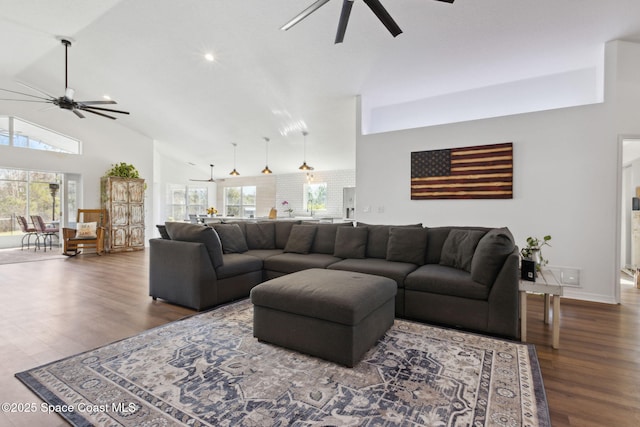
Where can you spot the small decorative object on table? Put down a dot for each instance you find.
(286, 208)
(532, 260)
(212, 211)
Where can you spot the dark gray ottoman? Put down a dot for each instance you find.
(332, 314)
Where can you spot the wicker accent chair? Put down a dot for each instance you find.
(72, 242)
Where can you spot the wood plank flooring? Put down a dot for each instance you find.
(57, 308)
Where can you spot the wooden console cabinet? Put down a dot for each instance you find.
(123, 198)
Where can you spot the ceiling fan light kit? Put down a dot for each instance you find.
(66, 101)
(375, 6)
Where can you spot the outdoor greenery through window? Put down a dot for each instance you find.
(240, 201)
(27, 193)
(20, 133)
(315, 197)
(183, 201)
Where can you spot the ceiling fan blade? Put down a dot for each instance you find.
(446, 1)
(37, 90)
(384, 17)
(82, 106)
(95, 112)
(308, 11)
(96, 102)
(78, 113)
(25, 94)
(344, 20)
(44, 101)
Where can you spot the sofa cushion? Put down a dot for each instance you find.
(351, 242)
(238, 264)
(232, 238)
(378, 238)
(187, 232)
(261, 235)
(407, 245)
(263, 253)
(282, 231)
(325, 238)
(292, 262)
(436, 236)
(490, 255)
(380, 267)
(300, 239)
(443, 280)
(458, 249)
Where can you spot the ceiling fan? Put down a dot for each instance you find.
(375, 6)
(211, 179)
(66, 101)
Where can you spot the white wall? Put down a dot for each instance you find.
(566, 176)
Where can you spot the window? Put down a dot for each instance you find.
(315, 197)
(240, 201)
(27, 193)
(183, 201)
(20, 133)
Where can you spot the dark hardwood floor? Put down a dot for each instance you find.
(57, 308)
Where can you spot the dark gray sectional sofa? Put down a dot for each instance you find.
(465, 277)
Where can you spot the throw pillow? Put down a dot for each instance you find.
(86, 230)
(407, 245)
(187, 232)
(491, 253)
(351, 242)
(459, 247)
(261, 235)
(300, 239)
(232, 239)
(163, 231)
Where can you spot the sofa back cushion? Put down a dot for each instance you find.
(282, 231)
(436, 236)
(261, 235)
(351, 242)
(300, 239)
(459, 247)
(378, 238)
(407, 244)
(232, 238)
(325, 239)
(490, 255)
(187, 232)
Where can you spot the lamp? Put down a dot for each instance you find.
(305, 166)
(266, 169)
(53, 189)
(234, 172)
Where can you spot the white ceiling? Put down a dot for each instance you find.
(264, 82)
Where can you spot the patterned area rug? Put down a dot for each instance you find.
(208, 370)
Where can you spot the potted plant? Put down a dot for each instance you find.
(123, 170)
(533, 250)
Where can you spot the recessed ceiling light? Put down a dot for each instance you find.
(209, 57)
(107, 97)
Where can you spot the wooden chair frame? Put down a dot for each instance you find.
(72, 244)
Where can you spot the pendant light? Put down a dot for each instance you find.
(305, 166)
(266, 169)
(234, 172)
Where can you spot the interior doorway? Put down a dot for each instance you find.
(629, 238)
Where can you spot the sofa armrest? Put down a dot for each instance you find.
(504, 307)
(182, 273)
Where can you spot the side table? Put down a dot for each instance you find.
(545, 284)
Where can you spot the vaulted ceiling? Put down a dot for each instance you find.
(264, 82)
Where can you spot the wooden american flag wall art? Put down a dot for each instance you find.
(478, 172)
